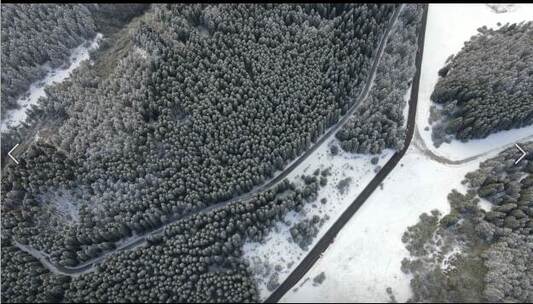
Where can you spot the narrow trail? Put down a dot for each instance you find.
(420, 144)
(138, 240)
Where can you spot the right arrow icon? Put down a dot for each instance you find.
(524, 153)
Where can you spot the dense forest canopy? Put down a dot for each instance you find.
(379, 122)
(487, 86)
(201, 120)
(185, 108)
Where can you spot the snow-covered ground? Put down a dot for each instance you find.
(449, 26)
(278, 249)
(16, 116)
(366, 256)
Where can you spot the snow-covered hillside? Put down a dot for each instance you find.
(16, 116)
(274, 259)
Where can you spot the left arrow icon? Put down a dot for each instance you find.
(12, 157)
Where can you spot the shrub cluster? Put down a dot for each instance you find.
(303, 232)
(494, 261)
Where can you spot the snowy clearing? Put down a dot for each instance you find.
(16, 116)
(279, 251)
(367, 254)
(278, 248)
(444, 38)
(63, 205)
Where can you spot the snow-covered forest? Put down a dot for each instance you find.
(200, 152)
(486, 87)
(191, 109)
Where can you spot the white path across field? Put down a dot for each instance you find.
(79, 54)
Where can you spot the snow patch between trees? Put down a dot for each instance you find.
(448, 258)
(63, 204)
(141, 52)
(37, 90)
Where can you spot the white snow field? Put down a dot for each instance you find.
(365, 258)
(78, 55)
(449, 26)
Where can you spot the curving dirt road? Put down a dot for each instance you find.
(137, 240)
